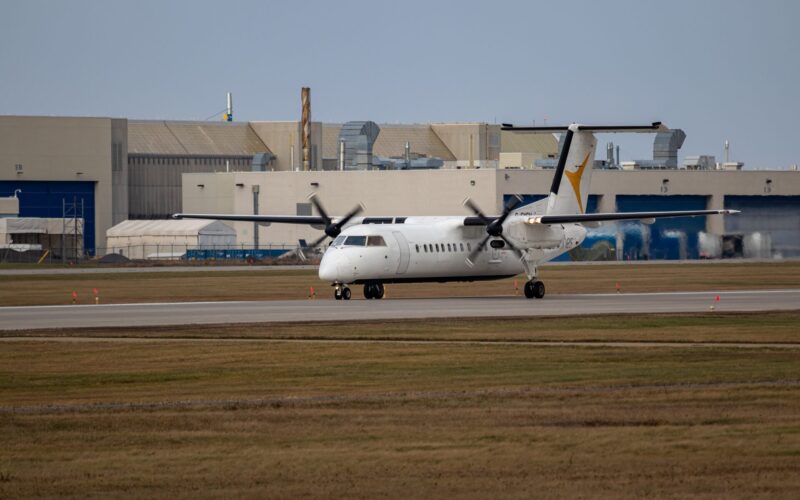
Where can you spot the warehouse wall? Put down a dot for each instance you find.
(68, 150)
(441, 192)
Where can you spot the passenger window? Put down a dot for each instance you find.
(437, 247)
(376, 241)
(356, 241)
(417, 248)
(448, 247)
(462, 246)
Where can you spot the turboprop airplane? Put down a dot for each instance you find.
(373, 251)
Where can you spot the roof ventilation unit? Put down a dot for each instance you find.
(358, 137)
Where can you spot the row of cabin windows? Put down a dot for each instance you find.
(444, 247)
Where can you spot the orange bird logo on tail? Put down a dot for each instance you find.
(575, 180)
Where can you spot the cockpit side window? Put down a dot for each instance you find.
(355, 241)
(339, 241)
(375, 241)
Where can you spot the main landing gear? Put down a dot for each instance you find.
(534, 289)
(373, 291)
(342, 293)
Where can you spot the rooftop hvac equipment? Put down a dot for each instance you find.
(261, 161)
(700, 162)
(358, 137)
(666, 146)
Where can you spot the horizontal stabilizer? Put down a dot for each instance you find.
(580, 218)
(654, 127)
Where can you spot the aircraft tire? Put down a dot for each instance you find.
(529, 290)
(369, 291)
(379, 291)
(538, 289)
(346, 293)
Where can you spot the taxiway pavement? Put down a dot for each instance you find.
(187, 313)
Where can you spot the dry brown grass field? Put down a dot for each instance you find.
(291, 284)
(235, 411)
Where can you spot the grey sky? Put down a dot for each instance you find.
(716, 69)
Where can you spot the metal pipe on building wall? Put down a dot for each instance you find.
(341, 154)
(471, 157)
(256, 189)
(305, 98)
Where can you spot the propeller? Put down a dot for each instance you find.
(332, 229)
(494, 228)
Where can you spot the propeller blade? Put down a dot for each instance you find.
(519, 252)
(512, 204)
(470, 260)
(476, 210)
(355, 211)
(318, 206)
(317, 242)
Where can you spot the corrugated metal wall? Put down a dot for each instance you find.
(154, 182)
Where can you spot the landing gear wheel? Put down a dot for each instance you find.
(528, 289)
(346, 293)
(373, 291)
(337, 294)
(538, 289)
(534, 289)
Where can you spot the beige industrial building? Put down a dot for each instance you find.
(109, 170)
(442, 192)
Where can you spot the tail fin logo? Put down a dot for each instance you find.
(575, 180)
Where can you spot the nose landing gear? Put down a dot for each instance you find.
(534, 289)
(342, 293)
(373, 291)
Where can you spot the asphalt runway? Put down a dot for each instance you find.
(187, 313)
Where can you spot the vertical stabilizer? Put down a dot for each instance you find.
(569, 192)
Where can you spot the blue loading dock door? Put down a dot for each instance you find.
(46, 198)
(663, 245)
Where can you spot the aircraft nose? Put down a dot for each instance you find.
(328, 267)
(335, 266)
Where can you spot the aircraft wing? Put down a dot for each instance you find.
(266, 219)
(643, 216)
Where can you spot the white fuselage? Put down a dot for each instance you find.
(436, 249)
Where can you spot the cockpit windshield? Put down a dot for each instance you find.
(359, 241)
(355, 241)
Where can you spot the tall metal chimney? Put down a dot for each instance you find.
(229, 113)
(305, 97)
(341, 154)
